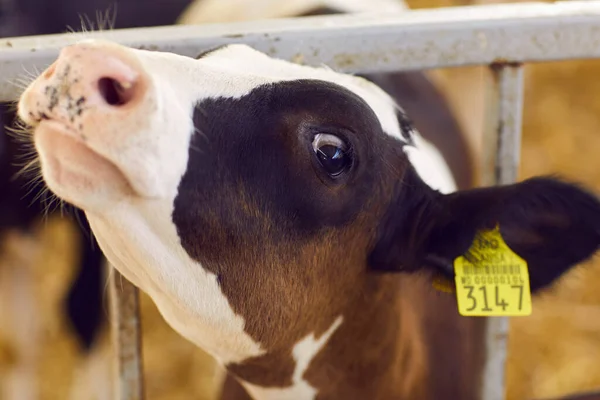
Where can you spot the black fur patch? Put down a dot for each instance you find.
(551, 224)
(252, 171)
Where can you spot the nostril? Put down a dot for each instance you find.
(114, 92)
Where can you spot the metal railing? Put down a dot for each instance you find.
(501, 36)
(127, 337)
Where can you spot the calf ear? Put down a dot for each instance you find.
(551, 224)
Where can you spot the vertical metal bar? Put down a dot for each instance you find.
(127, 337)
(502, 154)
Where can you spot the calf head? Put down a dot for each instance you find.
(254, 199)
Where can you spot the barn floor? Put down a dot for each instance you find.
(552, 352)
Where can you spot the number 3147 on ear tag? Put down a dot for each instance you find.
(495, 282)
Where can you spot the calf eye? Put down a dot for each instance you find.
(332, 153)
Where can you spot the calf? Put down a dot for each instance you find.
(418, 95)
(287, 219)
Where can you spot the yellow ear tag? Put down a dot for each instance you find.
(496, 284)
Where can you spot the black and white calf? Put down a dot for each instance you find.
(287, 219)
(419, 96)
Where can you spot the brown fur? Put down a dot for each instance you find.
(419, 335)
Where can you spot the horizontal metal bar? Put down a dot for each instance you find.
(361, 43)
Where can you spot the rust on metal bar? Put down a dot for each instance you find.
(127, 337)
(501, 158)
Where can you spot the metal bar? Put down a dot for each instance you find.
(371, 42)
(502, 148)
(127, 338)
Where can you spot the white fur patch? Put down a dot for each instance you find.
(303, 352)
(235, 70)
(430, 165)
(140, 240)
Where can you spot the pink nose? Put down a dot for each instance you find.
(87, 78)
